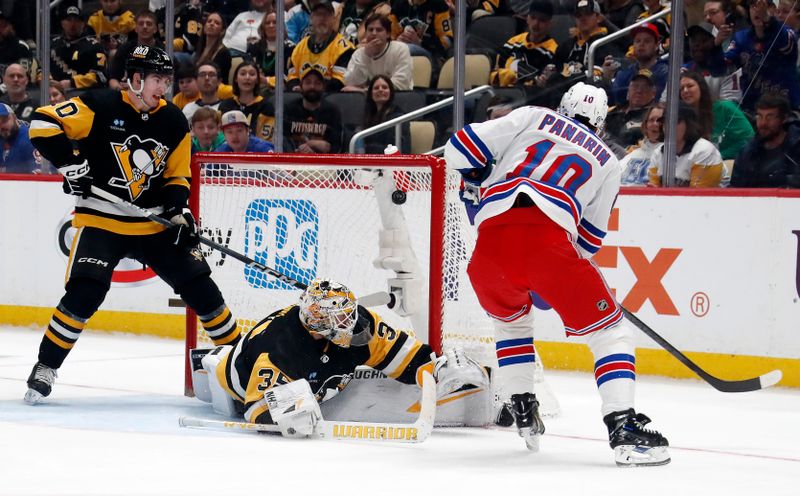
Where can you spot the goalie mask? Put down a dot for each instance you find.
(330, 310)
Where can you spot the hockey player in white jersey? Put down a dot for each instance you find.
(540, 186)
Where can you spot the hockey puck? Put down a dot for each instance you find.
(398, 197)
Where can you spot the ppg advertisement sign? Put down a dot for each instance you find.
(282, 234)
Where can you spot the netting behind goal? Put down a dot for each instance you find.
(312, 216)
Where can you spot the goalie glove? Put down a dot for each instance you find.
(454, 370)
(184, 230)
(77, 180)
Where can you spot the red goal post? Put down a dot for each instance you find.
(317, 215)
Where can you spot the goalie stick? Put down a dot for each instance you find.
(416, 432)
(740, 386)
(371, 300)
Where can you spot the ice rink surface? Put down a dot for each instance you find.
(110, 428)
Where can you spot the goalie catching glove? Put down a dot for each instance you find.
(77, 180)
(454, 370)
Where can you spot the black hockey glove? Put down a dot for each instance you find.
(77, 179)
(184, 232)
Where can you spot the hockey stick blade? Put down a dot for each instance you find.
(416, 432)
(740, 386)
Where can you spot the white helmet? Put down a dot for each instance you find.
(588, 101)
(330, 310)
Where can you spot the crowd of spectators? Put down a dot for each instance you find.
(739, 85)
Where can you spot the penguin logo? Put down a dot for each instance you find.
(139, 161)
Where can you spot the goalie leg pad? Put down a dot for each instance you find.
(294, 408)
(221, 401)
(614, 367)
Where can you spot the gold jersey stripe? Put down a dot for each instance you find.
(130, 228)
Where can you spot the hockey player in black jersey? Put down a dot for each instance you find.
(312, 349)
(136, 146)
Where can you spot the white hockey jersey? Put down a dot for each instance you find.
(569, 173)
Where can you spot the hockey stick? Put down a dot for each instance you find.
(741, 386)
(371, 300)
(416, 432)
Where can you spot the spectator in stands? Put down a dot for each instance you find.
(186, 77)
(311, 124)
(111, 24)
(211, 91)
(498, 107)
(206, 133)
(645, 52)
(77, 61)
(379, 55)
(721, 16)
(298, 20)
(699, 164)
(17, 151)
(57, 93)
(244, 28)
(772, 158)
(621, 13)
(188, 27)
(708, 60)
(146, 34)
(425, 26)
(789, 13)
(483, 8)
(624, 122)
(325, 50)
(238, 139)
(636, 163)
(22, 14)
(262, 52)
(210, 47)
(767, 55)
(247, 99)
(353, 14)
(721, 121)
(526, 55)
(12, 49)
(17, 97)
(571, 55)
(379, 108)
(653, 7)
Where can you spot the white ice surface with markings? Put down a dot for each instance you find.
(110, 428)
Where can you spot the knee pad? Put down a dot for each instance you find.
(519, 328)
(83, 296)
(201, 294)
(617, 339)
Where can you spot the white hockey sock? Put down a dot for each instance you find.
(516, 356)
(614, 367)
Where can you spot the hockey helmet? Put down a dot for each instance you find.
(330, 310)
(587, 101)
(148, 60)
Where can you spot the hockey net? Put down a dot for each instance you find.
(312, 216)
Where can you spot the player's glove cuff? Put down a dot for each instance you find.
(77, 179)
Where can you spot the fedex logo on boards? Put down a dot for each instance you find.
(282, 234)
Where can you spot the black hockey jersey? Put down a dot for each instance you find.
(279, 350)
(133, 155)
(83, 61)
(430, 19)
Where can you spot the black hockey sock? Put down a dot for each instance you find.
(81, 301)
(203, 296)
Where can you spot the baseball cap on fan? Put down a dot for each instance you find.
(234, 117)
(5, 110)
(587, 7)
(72, 11)
(648, 28)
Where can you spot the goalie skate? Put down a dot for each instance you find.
(635, 446)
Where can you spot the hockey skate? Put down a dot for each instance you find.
(634, 445)
(525, 410)
(40, 383)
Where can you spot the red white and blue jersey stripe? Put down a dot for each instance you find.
(568, 172)
(616, 366)
(514, 351)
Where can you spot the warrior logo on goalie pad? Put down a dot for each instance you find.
(139, 160)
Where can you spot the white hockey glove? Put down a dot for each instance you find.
(77, 180)
(294, 408)
(454, 369)
(471, 196)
